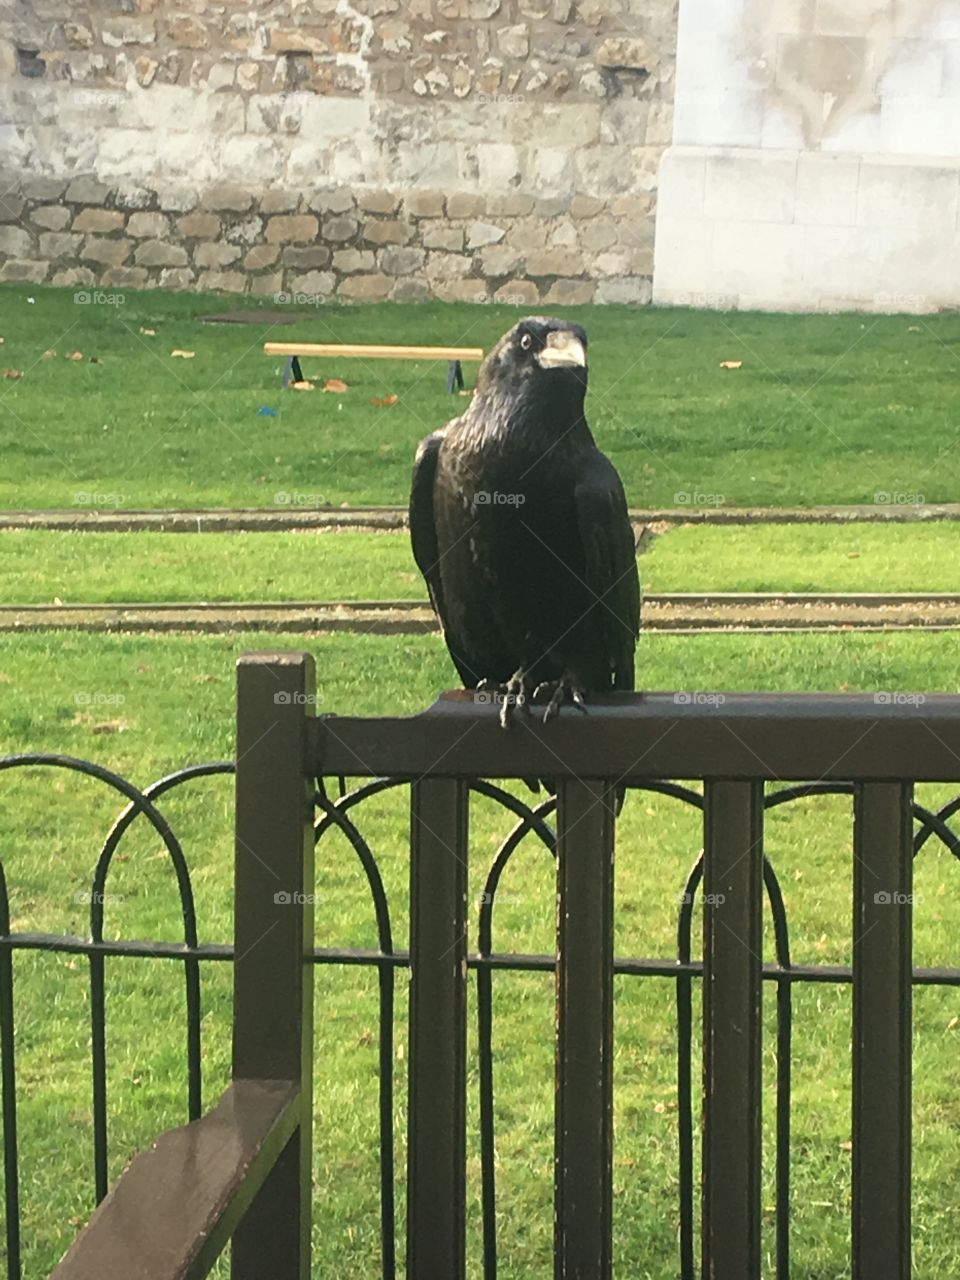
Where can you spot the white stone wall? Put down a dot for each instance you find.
(816, 156)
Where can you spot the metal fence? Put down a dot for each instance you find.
(752, 754)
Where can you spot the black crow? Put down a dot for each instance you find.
(520, 527)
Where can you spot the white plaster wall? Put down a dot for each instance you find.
(815, 156)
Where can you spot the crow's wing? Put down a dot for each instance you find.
(426, 550)
(610, 562)
(423, 529)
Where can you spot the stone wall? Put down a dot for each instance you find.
(816, 157)
(352, 149)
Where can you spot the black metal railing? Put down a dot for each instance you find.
(851, 745)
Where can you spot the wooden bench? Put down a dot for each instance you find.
(345, 350)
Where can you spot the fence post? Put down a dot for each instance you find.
(732, 976)
(273, 936)
(882, 993)
(583, 1178)
(437, 1088)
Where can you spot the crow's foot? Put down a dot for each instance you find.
(560, 691)
(516, 693)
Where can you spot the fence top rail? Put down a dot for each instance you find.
(633, 737)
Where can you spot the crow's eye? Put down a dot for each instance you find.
(526, 342)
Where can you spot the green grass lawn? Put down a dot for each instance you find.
(40, 566)
(166, 702)
(826, 409)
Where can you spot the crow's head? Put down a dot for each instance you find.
(539, 361)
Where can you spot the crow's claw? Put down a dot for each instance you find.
(560, 691)
(516, 694)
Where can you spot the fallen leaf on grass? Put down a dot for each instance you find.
(109, 726)
(75, 355)
(151, 333)
(466, 392)
(302, 386)
(731, 364)
(184, 355)
(379, 402)
(12, 374)
(48, 355)
(334, 384)
(914, 328)
(84, 720)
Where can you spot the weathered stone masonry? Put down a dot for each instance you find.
(456, 149)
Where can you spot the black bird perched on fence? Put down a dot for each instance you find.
(520, 527)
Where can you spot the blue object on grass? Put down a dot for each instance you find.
(266, 412)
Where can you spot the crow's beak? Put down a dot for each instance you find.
(563, 350)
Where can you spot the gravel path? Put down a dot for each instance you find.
(680, 613)
(395, 518)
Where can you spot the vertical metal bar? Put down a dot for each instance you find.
(273, 935)
(882, 977)
(194, 1077)
(8, 1083)
(388, 1223)
(732, 974)
(784, 1090)
(784, 1068)
(583, 1178)
(488, 1172)
(685, 1074)
(436, 1160)
(98, 1057)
